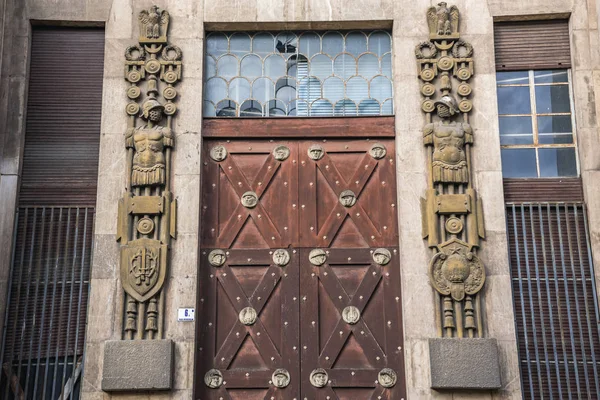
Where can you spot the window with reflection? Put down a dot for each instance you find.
(298, 74)
(537, 130)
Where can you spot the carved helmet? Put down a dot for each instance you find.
(150, 105)
(449, 102)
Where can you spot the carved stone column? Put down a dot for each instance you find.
(452, 213)
(146, 223)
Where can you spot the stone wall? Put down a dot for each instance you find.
(187, 30)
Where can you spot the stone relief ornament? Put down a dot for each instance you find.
(281, 257)
(347, 198)
(280, 378)
(213, 379)
(249, 200)
(217, 258)
(281, 153)
(248, 316)
(377, 151)
(382, 256)
(315, 152)
(451, 210)
(147, 211)
(317, 257)
(351, 315)
(218, 153)
(319, 378)
(387, 378)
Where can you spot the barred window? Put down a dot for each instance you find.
(278, 74)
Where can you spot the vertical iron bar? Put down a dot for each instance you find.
(548, 298)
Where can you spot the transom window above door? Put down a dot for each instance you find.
(298, 74)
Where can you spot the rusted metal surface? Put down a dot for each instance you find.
(543, 190)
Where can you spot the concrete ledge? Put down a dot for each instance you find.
(137, 365)
(464, 364)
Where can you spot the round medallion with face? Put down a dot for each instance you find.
(218, 153)
(248, 316)
(347, 198)
(280, 378)
(319, 378)
(377, 151)
(217, 258)
(382, 256)
(281, 257)
(317, 257)
(281, 153)
(249, 199)
(351, 315)
(387, 377)
(213, 379)
(315, 152)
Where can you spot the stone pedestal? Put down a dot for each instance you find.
(464, 364)
(137, 365)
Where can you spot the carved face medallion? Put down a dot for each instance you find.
(351, 315)
(387, 378)
(145, 226)
(218, 153)
(213, 379)
(280, 378)
(382, 256)
(217, 258)
(248, 316)
(281, 257)
(281, 153)
(249, 199)
(317, 257)
(315, 152)
(319, 378)
(377, 151)
(347, 198)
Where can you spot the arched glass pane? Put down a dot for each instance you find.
(216, 44)
(263, 89)
(297, 66)
(344, 66)
(239, 89)
(369, 107)
(251, 67)
(208, 109)
(388, 107)
(381, 88)
(386, 65)
(286, 43)
(321, 66)
(251, 108)
(274, 66)
(345, 108)
(239, 43)
(263, 43)
(215, 89)
(368, 66)
(333, 89)
(309, 89)
(227, 67)
(298, 108)
(210, 67)
(357, 89)
(356, 43)
(321, 108)
(275, 108)
(379, 42)
(310, 44)
(333, 43)
(285, 89)
(226, 108)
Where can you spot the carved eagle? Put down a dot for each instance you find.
(151, 22)
(442, 20)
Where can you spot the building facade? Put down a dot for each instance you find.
(522, 175)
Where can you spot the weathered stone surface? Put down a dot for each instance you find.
(138, 365)
(464, 364)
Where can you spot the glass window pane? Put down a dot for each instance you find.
(514, 100)
(388, 107)
(275, 108)
(356, 43)
(333, 43)
(369, 107)
(227, 67)
(333, 89)
(251, 67)
(379, 42)
(309, 89)
(209, 109)
(558, 162)
(216, 44)
(286, 43)
(515, 130)
(263, 43)
(344, 66)
(551, 76)
(285, 89)
(344, 108)
(555, 129)
(274, 66)
(386, 65)
(210, 67)
(310, 44)
(512, 78)
(381, 88)
(519, 163)
(215, 89)
(239, 89)
(263, 89)
(357, 89)
(368, 66)
(321, 66)
(552, 99)
(239, 43)
(251, 108)
(321, 108)
(226, 108)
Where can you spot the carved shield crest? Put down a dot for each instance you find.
(143, 268)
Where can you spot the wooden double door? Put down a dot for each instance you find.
(299, 293)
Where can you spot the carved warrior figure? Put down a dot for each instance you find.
(151, 22)
(448, 140)
(442, 21)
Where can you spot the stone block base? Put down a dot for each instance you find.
(464, 364)
(137, 365)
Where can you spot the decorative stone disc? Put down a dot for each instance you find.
(249, 199)
(133, 92)
(347, 198)
(317, 257)
(280, 378)
(319, 378)
(213, 379)
(377, 151)
(454, 225)
(248, 316)
(315, 152)
(351, 315)
(218, 153)
(445, 63)
(382, 256)
(153, 66)
(281, 153)
(427, 74)
(145, 226)
(281, 257)
(217, 258)
(387, 378)
(463, 74)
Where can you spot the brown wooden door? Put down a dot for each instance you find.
(299, 325)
